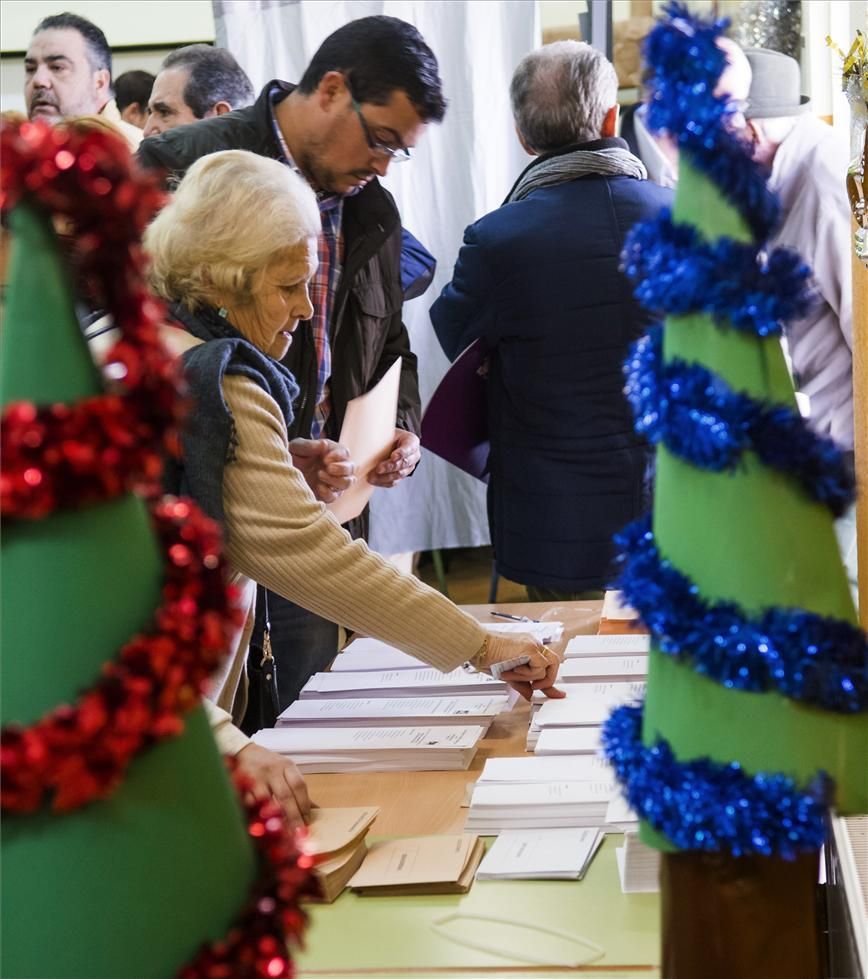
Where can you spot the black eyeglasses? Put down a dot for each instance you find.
(397, 154)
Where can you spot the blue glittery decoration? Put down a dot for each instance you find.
(684, 65)
(705, 805)
(676, 271)
(699, 418)
(807, 657)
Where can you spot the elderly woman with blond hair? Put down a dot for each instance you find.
(233, 253)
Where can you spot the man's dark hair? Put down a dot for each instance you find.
(215, 76)
(380, 55)
(98, 51)
(133, 86)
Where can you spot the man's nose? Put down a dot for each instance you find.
(151, 128)
(380, 165)
(41, 78)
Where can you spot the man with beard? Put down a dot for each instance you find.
(363, 103)
(68, 72)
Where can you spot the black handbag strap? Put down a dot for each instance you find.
(260, 640)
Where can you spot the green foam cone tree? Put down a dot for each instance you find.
(753, 537)
(131, 886)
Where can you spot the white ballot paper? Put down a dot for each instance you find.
(370, 654)
(540, 854)
(405, 711)
(374, 749)
(621, 645)
(567, 741)
(368, 432)
(593, 669)
(638, 866)
(545, 632)
(537, 805)
(614, 607)
(589, 696)
(578, 768)
(400, 683)
(620, 818)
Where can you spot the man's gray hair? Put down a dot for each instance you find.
(214, 76)
(561, 93)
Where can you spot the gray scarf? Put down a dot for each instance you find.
(560, 167)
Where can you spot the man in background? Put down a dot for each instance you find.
(132, 92)
(196, 82)
(68, 72)
(362, 104)
(808, 162)
(539, 282)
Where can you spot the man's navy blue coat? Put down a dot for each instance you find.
(539, 281)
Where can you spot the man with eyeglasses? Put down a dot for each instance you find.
(362, 104)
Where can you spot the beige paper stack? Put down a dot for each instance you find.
(337, 843)
(420, 865)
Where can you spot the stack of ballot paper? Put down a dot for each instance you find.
(545, 632)
(402, 711)
(374, 749)
(600, 669)
(614, 607)
(630, 644)
(537, 805)
(400, 683)
(371, 654)
(337, 844)
(419, 865)
(590, 699)
(638, 866)
(620, 818)
(540, 854)
(585, 705)
(577, 768)
(583, 741)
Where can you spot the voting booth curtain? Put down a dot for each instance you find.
(461, 169)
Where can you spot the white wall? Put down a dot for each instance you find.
(167, 23)
(164, 22)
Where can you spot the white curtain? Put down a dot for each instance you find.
(462, 169)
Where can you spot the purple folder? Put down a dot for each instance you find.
(455, 423)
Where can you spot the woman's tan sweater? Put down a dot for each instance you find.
(280, 536)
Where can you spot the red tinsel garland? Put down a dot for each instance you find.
(79, 753)
(63, 456)
(256, 948)
(58, 457)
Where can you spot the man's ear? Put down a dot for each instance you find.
(331, 88)
(102, 84)
(610, 122)
(528, 149)
(220, 109)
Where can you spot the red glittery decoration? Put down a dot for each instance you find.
(58, 457)
(258, 947)
(79, 753)
(62, 456)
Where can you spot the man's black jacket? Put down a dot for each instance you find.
(367, 334)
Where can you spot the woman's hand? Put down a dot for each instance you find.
(405, 456)
(278, 778)
(539, 673)
(325, 465)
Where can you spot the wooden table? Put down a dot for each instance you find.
(392, 937)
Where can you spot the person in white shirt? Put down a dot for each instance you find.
(808, 162)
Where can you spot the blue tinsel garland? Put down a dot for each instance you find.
(704, 805)
(702, 420)
(676, 271)
(685, 65)
(805, 656)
